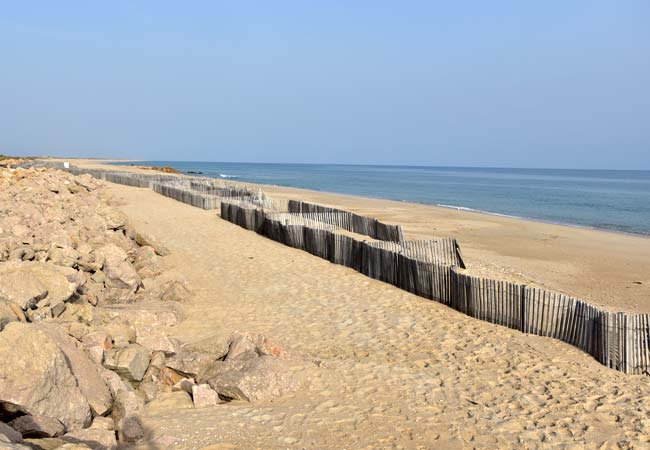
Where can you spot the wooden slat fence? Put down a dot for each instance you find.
(367, 226)
(430, 269)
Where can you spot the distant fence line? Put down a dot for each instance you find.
(429, 269)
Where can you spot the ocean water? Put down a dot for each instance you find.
(608, 199)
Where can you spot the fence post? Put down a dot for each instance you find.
(522, 309)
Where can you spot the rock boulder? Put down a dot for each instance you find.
(41, 384)
(252, 377)
(130, 362)
(37, 426)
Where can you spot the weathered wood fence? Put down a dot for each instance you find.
(367, 226)
(430, 269)
(205, 193)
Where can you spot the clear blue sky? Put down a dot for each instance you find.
(475, 83)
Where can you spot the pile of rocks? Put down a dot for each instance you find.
(86, 304)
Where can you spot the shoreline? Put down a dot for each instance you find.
(603, 267)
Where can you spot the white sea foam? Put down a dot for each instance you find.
(464, 208)
(225, 175)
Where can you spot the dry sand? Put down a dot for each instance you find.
(608, 269)
(383, 368)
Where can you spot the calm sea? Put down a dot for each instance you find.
(609, 199)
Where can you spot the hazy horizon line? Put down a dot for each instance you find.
(370, 165)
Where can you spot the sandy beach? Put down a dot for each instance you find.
(608, 269)
(381, 368)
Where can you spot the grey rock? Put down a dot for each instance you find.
(20, 288)
(130, 430)
(9, 446)
(85, 371)
(147, 263)
(66, 256)
(37, 426)
(185, 384)
(130, 362)
(12, 436)
(241, 342)
(252, 377)
(119, 272)
(98, 277)
(42, 383)
(191, 364)
(114, 382)
(154, 339)
(203, 396)
(143, 239)
(58, 309)
(149, 389)
(28, 282)
(165, 287)
(95, 344)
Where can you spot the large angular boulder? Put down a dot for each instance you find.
(19, 288)
(155, 339)
(66, 257)
(85, 371)
(241, 342)
(114, 382)
(165, 287)
(36, 378)
(147, 263)
(37, 426)
(143, 239)
(113, 219)
(95, 344)
(203, 396)
(25, 283)
(190, 364)
(120, 274)
(252, 377)
(131, 361)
